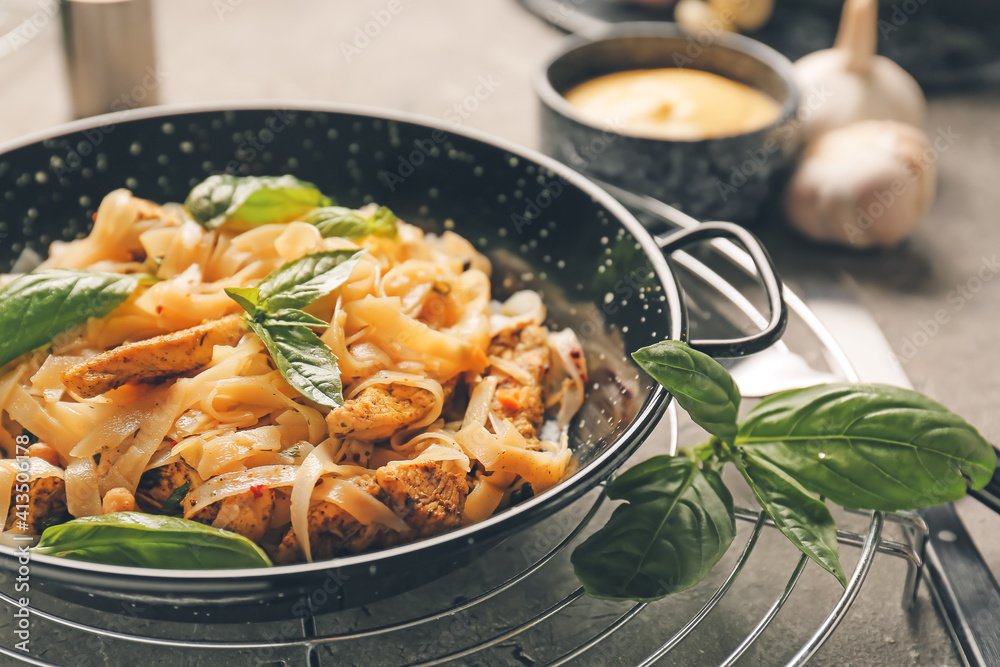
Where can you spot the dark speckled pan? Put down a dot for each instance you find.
(543, 226)
(727, 178)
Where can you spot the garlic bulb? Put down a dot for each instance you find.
(850, 82)
(863, 185)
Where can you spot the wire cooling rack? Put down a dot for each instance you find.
(520, 604)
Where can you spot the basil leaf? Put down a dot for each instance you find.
(678, 523)
(803, 519)
(251, 200)
(293, 317)
(345, 223)
(868, 446)
(301, 281)
(305, 362)
(145, 540)
(37, 307)
(247, 297)
(697, 381)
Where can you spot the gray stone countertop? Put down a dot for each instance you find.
(432, 58)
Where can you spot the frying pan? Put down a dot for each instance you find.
(543, 226)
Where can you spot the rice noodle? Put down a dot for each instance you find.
(415, 312)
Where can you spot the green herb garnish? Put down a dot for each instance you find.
(173, 501)
(273, 312)
(146, 540)
(865, 446)
(346, 223)
(249, 201)
(37, 307)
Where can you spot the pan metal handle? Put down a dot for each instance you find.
(778, 318)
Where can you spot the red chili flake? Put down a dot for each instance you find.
(159, 309)
(575, 354)
(93, 216)
(257, 490)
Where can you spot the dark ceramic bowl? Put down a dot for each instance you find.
(725, 178)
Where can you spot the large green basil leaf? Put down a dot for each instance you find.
(804, 519)
(146, 540)
(290, 317)
(250, 201)
(301, 281)
(304, 361)
(345, 223)
(678, 523)
(37, 307)
(868, 446)
(697, 381)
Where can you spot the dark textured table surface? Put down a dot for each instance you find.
(433, 58)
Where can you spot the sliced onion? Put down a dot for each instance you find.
(511, 369)
(235, 483)
(480, 444)
(479, 402)
(569, 353)
(82, 496)
(309, 472)
(520, 309)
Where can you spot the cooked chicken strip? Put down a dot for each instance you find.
(152, 359)
(423, 495)
(247, 513)
(523, 403)
(46, 498)
(379, 411)
(332, 531)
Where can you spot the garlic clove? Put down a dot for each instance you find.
(747, 15)
(695, 16)
(850, 82)
(863, 185)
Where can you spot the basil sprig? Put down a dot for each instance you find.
(698, 383)
(273, 312)
(868, 446)
(678, 523)
(865, 446)
(37, 307)
(346, 223)
(249, 201)
(147, 540)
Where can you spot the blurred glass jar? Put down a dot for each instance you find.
(110, 55)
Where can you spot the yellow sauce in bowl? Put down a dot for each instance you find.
(673, 103)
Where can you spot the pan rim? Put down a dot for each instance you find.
(504, 523)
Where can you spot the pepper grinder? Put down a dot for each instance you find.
(110, 55)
